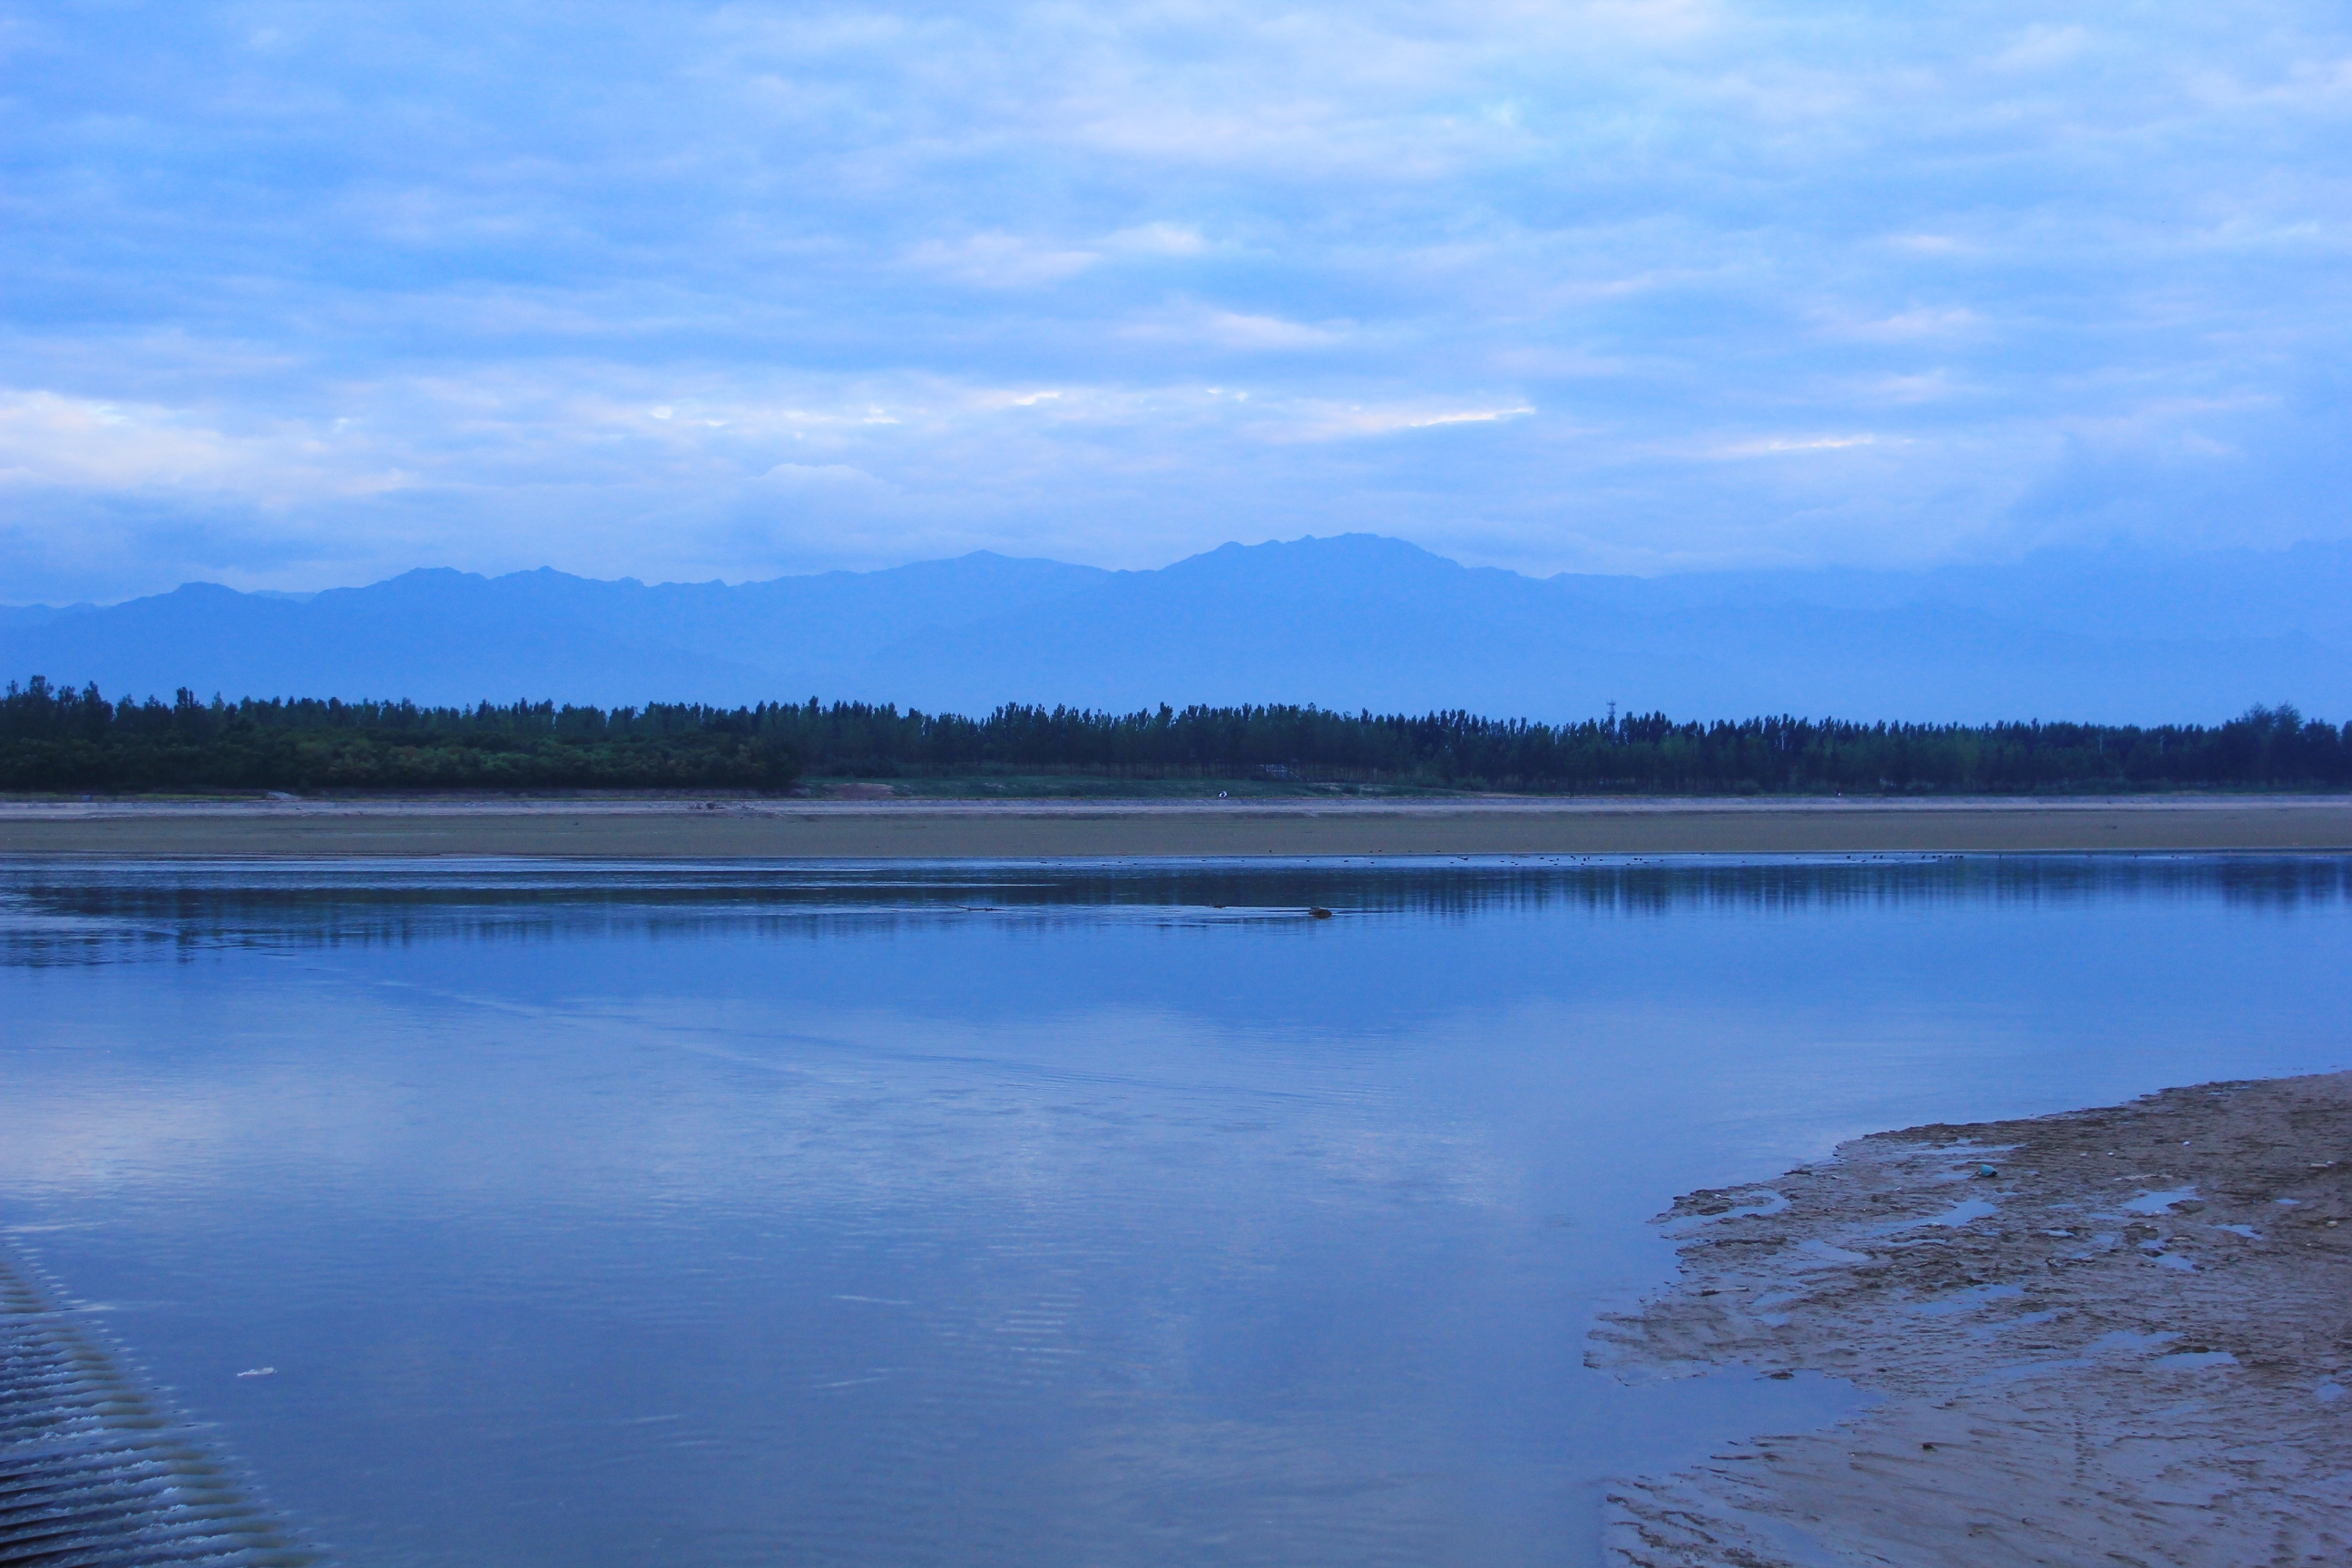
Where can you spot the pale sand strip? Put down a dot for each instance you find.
(687, 829)
(2131, 1344)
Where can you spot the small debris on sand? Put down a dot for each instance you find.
(2129, 1345)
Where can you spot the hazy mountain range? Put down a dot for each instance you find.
(1351, 622)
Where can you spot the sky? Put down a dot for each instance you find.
(294, 295)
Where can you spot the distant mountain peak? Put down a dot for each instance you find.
(1346, 620)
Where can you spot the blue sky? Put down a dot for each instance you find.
(294, 295)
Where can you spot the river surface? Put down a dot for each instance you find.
(534, 1214)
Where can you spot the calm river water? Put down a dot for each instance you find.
(1041, 1215)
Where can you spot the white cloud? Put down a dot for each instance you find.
(81, 443)
(1925, 386)
(2042, 45)
(1236, 329)
(805, 475)
(1920, 322)
(994, 260)
(1326, 421)
(1157, 239)
(1930, 244)
(1782, 446)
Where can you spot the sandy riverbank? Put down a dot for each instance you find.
(2131, 1344)
(914, 830)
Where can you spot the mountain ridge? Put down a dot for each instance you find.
(1350, 621)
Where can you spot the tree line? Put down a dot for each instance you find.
(54, 739)
(60, 739)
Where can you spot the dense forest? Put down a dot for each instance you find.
(62, 739)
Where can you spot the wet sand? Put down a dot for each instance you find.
(918, 829)
(2132, 1343)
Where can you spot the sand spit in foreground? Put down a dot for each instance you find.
(2132, 1343)
(1024, 829)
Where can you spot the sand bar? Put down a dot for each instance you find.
(2130, 1343)
(920, 829)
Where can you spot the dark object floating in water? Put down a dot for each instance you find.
(93, 1474)
(1318, 913)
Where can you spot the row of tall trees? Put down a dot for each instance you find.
(62, 738)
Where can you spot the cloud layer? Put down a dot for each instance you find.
(304, 294)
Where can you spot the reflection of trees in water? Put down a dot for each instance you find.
(79, 914)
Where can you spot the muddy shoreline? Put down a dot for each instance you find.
(2120, 1335)
(918, 829)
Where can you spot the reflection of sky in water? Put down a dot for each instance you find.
(594, 1215)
